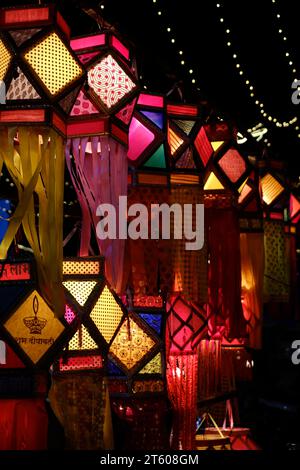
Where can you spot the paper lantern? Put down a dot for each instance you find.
(43, 71)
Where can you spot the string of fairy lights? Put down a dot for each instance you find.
(283, 36)
(181, 55)
(250, 87)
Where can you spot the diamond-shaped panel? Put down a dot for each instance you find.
(5, 58)
(109, 81)
(107, 314)
(131, 344)
(233, 165)
(34, 327)
(53, 63)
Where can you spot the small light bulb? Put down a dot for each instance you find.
(169, 30)
(227, 31)
(287, 54)
(191, 71)
(173, 40)
(251, 87)
(193, 81)
(182, 62)
(234, 56)
(241, 72)
(180, 52)
(159, 13)
(221, 20)
(229, 44)
(252, 95)
(247, 82)
(237, 66)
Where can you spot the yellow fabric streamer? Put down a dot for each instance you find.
(35, 161)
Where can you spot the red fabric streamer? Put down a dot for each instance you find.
(23, 425)
(182, 389)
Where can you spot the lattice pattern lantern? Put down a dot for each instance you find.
(93, 312)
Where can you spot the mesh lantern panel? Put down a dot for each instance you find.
(82, 340)
(81, 267)
(233, 165)
(80, 290)
(5, 58)
(153, 367)
(271, 189)
(53, 63)
(131, 344)
(109, 81)
(107, 314)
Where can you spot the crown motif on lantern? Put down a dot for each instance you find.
(35, 324)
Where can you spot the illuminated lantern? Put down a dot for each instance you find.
(97, 130)
(39, 70)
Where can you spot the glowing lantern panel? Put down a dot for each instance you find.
(131, 344)
(80, 290)
(233, 165)
(107, 314)
(109, 81)
(271, 189)
(53, 63)
(5, 58)
(34, 327)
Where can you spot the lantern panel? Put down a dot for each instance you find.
(107, 314)
(213, 183)
(294, 206)
(155, 117)
(126, 113)
(203, 146)
(53, 63)
(131, 344)
(233, 165)
(217, 144)
(34, 327)
(153, 367)
(182, 109)
(21, 89)
(177, 178)
(153, 320)
(119, 46)
(148, 386)
(175, 142)
(185, 126)
(82, 340)
(140, 137)
(87, 42)
(22, 35)
(186, 160)
(81, 267)
(271, 188)
(147, 178)
(5, 58)
(83, 106)
(245, 192)
(151, 100)
(157, 160)
(81, 363)
(109, 81)
(80, 290)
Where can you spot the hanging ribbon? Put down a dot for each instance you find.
(36, 165)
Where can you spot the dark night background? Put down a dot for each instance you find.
(271, 405)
